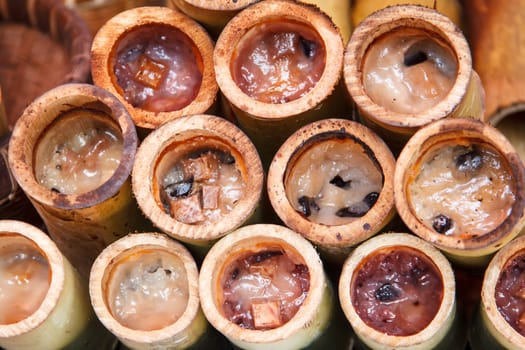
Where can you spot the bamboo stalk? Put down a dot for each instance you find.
(339, 235)
(441, 332)
(311, 319)
(450, 229)
(363, 8)
(81, 224)
(149, 252)
(173, 144)
(490, 328)
(130, 34)
(340, 13)
(266, 121)
(95, 12)
(64, 318)
(498, 49)
(394, 124)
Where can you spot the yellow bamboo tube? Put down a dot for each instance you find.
(96, 12)
(339, 11)
(433, 321)
(83, 220)
(62, 317)
(363, 8)
(458, 185)
(434, 43)
(264, 242)
(267, 111)
(158, 278)
(332, 181)
(497, 325)
(213, 15)
(498, 49)
(158, 62)
(169, 159)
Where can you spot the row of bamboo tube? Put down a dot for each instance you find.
(110, 212)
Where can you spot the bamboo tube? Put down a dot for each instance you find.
(324, 170)
(497, 324)
(62, 316)
(498, 49)
(458, 184)
(168, 159)
(426, 319)
(4, 129)
(157, 278)
(82, 221)
(364, 8)
(513, 127)
(340, 13)
(213, 15)
(96, 12)
(181, 81)
(267, 111)
(270, 329)
(434, 58)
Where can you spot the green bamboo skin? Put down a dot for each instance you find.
(173, 141)
(335, 242)
(65, 318)
(489, 329)
(445, 331)
(268, 124)
(468, 252)
(103, 55)
(312, 319)
(81, 224)
(465, 99)
(189, 330)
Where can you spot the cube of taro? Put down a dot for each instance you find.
(187, 210)
(210, 196)
(202, 168)
(150, 73)
(266, 314)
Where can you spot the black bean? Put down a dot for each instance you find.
(307, 204)
(470, 161)
(225, 157)
(354, 211)
(371, 199)
(441, 223)
(179, 189)
(56, 190)
(259, 258)
(387, 292)
(235, 273)
(339, 182)
(309, 47)
(412, 58)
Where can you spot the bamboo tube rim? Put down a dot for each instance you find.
(240, 241)
(110, 34)
(508, 336)
(178, 130)
(447, 130)
(223, 5)
(396, 17)
(100, 278)
(441, 322)
(239, 25)
(333, 235)
(56, 262)
(40, 114)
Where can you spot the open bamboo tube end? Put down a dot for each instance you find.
(133, 272)
(268, 250)
(484, 206)
(180, 178)
(426, 39)
(346, 196)
(500, 295)
(390, 248)
(125, 61)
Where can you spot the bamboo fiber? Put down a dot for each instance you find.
(190, 329)
(59, 51)
(81, 224)
(498, 51)
(64, 319)
(465, 99)
(269, 124)
(465, 249)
